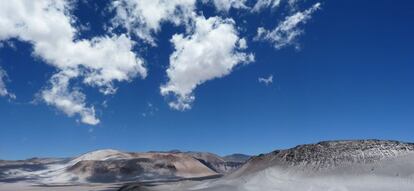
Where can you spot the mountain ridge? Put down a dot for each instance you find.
(110, 165)
(324, 155)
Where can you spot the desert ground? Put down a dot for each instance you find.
(364, 165)
(24, 186)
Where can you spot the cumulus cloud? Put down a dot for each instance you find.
(226, 5)
(287, 31)
(69, 100)
(267, 81)
(3, 89)
(144, 17)
(209, 48)
(48, 26)
(211, 51)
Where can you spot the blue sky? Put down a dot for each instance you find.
(349, 75)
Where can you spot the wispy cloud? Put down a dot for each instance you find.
(150, 110)
(143, 18)
(261, 4)
(226, 5)
(288, 30)
(3, 89)
(267, 81)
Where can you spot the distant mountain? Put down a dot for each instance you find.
(221, 165)
(237, 158)
(215, 162)
(27, 170)
(356, 165)
(112, 166)
(140, 166)
(330, 154)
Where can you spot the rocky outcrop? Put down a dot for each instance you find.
(222, 165)
(328, 155)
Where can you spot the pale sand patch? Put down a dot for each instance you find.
(24, 186)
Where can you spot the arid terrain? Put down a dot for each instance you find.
(325, 166)
(111, 169)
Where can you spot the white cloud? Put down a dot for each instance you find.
(48, 26)
(287, 31)
(3, 89)
(208, 49)
(267, 81)
(211, 51)
(69, 100)
(261, 4)
(226, 5)
(242, 43)
(293, 4)
(144, 17)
